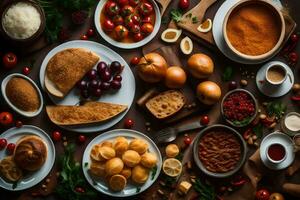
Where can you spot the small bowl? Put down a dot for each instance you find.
(196, 150)
(36, 34)
(251, 119)
(21, 112)
(279, 42)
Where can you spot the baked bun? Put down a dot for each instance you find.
(9, 170)
(140, 174)
(30, 153)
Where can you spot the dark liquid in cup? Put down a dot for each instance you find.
(276, 152)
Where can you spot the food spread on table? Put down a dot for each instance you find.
(215, 84)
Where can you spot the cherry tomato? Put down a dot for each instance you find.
(26, 70)
(134, 2)
(138, 37)
(262, 194)
(79, 190)
(127, 10)
(121, 32)
(184, 4)
(128, 123)
(135, 29)
(147, 19)
(84, 37)
(81, 138)
(118, 20)
(90, 32)
(19, 124)
(147, 28)
(294, 38)
(128, 22)
(187, 140)
(6, 118)
(204, 120)
(108, 25)
(136, 19)
(9, 60)
(146, 9)
(122, 2)
(293, 56)
(3, 143)
(56, 136)
(10, 148)
(135, 60)
(111, 8)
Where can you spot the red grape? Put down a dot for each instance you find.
(92, 74)
(118, 78)
(106, 75)
(10, 148)
(3, 143)
(105, 85)
(101, 67)
(81, 138)
(116, 67)
(56, 136)
(116, 85)
(97, 92)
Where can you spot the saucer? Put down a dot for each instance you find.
(274, 91)
(280, 138)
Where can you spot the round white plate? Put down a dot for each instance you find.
(280, 138)
(121, 44)
(217, 31)
(123, 96)
(31, 179)
(274, 91)
(130, 188)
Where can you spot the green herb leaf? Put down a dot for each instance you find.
(189, 15)
(258, 130)
(244, 122)
(153, 172)
(86, 164)
(138, 189)
(176, 15)
(179, 156)
(195, 20)
(276, 108)
(14, 185)
(206, 191)
(227, 74)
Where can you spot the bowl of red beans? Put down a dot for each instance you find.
(239, 107)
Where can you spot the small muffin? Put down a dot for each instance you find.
(140, 174)
(131, 158)
(138, 145)
(106, 153)
(148, 160)
(121, 145)
(114, 166)
(106, 144)
(97, 169)
(172, 150)
(9, 170)
(126, 172)
(117, 182)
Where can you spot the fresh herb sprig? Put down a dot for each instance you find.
(227, 74)
(276, 108)
(206, 191)
(176, 15)
(153, 172)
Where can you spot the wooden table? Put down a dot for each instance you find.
(135, 113)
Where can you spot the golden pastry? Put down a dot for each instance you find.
(117, 182)
(114, 166)
(140, 174)
(106, 144)
(121, 145)
(126, 172)
(138, 145)
(148, 160)
(30, 153)
(97, 169)
(172, 150)
(9, 170)
(131, 158)
(106, 153)
(95, 153)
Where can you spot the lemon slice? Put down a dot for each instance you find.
(186, 45)
(205, 26)
(172, 167)
(95, 153)
(171, 35)
(117, 182)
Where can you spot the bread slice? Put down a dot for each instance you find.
(90, 112)
(66, 68)
(166, 104)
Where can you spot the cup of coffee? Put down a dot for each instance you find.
(276, 74)
(276, 153)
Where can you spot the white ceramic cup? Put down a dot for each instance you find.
(281, 67)
(276, 161)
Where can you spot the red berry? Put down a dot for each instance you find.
(90, 32)
(293, 56)
(3, 143)
(26, 70)
(204, 120)
(135, 60)
(187, 140)
(128, 123)
(19, 124)
(79, 190)
(81, 138)
(56, 136)
(294, 38)
(84, 37)
(10, 148)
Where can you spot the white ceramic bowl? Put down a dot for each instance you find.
(21, 112)
(276, 11)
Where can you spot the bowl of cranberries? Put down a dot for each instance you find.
(239, 107)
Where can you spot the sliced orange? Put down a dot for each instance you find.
(172, 167)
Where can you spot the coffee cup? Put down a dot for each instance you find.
(276, 153)
(276, 74)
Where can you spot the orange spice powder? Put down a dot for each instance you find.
(253, 29)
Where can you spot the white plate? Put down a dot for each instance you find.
(280, 138)
(217, 31)
(130, 188)
(31, 179)
(121, 44)
(274, 91)
(123, 96)
(21, 112)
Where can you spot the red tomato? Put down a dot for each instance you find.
(10, 148)
(136, 19)
(262, 194)
(147, 28)
(6, 118)
(79, 190)
(187, 140)
(128, 22)
(19, 124)
(146, 9)
(134, 2)
(26, 70)
(81, 138)
(90, 32)
(122, 2)
(128, 123)
(84, 37)
(121, 32)
(56, 136)
(3, 143)
(127, 10)
(138, 37)
(111, 8)
(9, 60)
(135, 29)
(135, 60)
(204, 120)
(118, 20)
(184, 4)
(108, 25)
(147, 19)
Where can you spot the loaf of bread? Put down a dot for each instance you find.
(166, 104)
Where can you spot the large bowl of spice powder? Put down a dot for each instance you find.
(254, 29)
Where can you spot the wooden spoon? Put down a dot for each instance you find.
(163, 4)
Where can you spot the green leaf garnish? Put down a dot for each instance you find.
(227, 74)
(176, 15)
